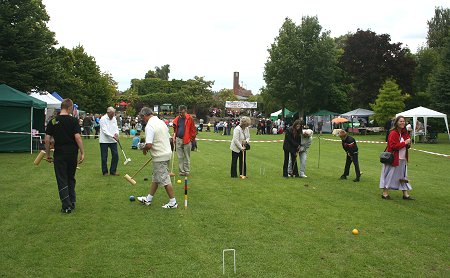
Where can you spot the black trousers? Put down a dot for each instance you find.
(87, 132)
(234, 158)
(293, 163)
(352, 158)
(65, 167)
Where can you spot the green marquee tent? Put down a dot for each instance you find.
(275, 115)
(21, 117)
(323, 117)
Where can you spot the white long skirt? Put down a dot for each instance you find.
(391, 175)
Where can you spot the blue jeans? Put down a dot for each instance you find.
(104, 154)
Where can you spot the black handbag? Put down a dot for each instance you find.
(387, 157)
(247, 144)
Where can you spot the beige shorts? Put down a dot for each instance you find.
(161, 173)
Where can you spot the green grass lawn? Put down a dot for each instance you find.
(279, 227)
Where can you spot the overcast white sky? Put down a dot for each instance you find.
(215, 38)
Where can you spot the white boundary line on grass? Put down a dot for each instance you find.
(326, 139)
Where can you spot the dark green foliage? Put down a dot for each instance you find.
(439, 28)
(161, 73)
(427, 60)
(156, 85)
(78, 77)
(25, 45)
(369, 59)
(440, 84)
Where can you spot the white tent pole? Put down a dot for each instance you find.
(425, 123)
(414, 129)
(446, 124)
(31, 130)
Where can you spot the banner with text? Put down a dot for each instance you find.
(241, 104)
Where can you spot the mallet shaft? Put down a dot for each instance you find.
(148, 161)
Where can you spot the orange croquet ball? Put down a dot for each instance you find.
(355, 232)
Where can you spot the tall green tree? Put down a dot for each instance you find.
(163, 72)
(427, 60)
(439, 27)
(79, 78)
(300, 69)
(440, 83)
(221, 97)
(270, 103)
(389, 102)
(198, 94)
(159, 72)
(369, 59)
(25, 45)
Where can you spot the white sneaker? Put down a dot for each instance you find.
(170, 206)
(144, 201)
(303, 176)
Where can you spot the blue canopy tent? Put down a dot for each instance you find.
(75, 106)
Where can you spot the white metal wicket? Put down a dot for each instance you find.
(223, 259)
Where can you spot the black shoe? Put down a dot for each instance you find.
(409, 198)
(67, 210)
(343, 177)
(72, 206)
(356, 180)
(386, 197)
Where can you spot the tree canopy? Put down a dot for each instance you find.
(79, 77)
(159, 72)
(369, 59)
(439, 28)
(300, 69)
(26, 45)
(440, 84)
(388, 103)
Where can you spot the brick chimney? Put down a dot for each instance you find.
(236, 86)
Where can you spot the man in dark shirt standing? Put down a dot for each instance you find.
(87, 125)
(350, 147)
(67, 135)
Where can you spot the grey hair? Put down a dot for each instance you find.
(245, 121)
(145, 111)
(110, 109)
(182, 107)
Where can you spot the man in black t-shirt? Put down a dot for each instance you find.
(350, 147)
(67, 135)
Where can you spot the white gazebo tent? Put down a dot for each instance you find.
(425, 113)
(52, 102)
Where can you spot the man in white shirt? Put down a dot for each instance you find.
(157, 142)
(109, 135)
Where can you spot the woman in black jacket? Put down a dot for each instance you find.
(292, 141)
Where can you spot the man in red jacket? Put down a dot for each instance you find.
(184, 134)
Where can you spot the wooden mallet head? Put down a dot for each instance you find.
(39, 157)
(129, 179)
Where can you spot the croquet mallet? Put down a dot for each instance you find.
(130, 179)
(127, 160)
